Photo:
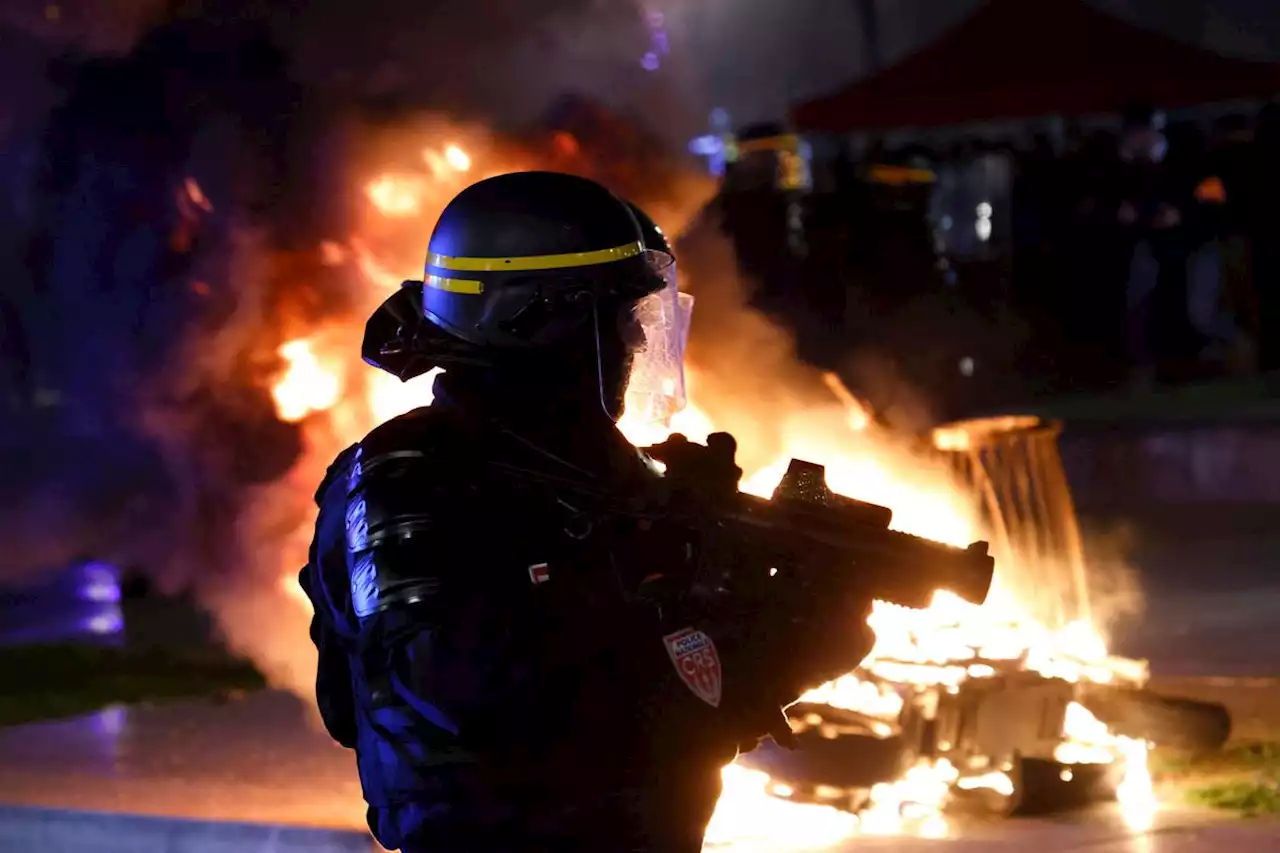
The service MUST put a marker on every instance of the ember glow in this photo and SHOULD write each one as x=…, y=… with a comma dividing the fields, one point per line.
x=337, y=400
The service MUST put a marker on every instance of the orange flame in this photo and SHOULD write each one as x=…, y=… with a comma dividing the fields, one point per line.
x=306, y=386
x=395, y=196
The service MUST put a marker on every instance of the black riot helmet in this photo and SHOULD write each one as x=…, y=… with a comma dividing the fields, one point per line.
x=654, y=237
x=524, y=270
x=517, y=261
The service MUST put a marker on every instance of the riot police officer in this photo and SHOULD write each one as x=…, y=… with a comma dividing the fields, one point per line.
x=515, y=669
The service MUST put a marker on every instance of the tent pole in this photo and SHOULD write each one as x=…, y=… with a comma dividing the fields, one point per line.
x=869, y=22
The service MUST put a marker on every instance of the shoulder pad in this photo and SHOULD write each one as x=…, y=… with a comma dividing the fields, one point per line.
x=337, y=468
x=424, y=434
x=421, y=432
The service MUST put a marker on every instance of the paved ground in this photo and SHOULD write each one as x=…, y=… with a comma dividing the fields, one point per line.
x=258, y=760
x=1051, y=837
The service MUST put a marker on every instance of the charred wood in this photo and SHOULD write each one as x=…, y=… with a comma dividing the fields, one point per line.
x=1185, y=724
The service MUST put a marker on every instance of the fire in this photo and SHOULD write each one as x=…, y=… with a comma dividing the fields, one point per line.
x=948, y=643
x=749, y=817
x=395, y=196
x=938, y=648
x=306, y=386
x=1089, y=742
x=915, y=801
x=452, y=157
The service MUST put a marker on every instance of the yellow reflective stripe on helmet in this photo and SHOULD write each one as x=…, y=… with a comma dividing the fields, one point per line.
x=454, y=285
x=537, y=262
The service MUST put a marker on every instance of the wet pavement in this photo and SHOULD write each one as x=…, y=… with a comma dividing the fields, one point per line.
x=260, y=759
x=1074, y=837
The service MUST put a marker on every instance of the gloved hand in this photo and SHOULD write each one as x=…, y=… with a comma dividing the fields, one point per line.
x=704, y=473
x=792, y=655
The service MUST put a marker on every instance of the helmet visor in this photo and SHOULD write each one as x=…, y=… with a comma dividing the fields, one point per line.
x=656, y=389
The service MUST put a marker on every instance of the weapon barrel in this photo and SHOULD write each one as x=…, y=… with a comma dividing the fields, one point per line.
x=836, y=513
x=897, y=567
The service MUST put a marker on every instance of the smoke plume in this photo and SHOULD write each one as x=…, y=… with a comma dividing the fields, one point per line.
x=156, y=326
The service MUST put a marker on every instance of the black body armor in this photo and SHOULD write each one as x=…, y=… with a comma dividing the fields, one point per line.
x=495, y=653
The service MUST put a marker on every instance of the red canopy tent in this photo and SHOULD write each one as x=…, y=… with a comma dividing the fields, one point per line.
x=1023, y=58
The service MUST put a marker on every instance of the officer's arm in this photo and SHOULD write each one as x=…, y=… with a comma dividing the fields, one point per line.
x=427, y=548
x=322, y=577
x=413, y=536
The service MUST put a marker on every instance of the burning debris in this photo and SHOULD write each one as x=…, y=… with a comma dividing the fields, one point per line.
x=961, y=705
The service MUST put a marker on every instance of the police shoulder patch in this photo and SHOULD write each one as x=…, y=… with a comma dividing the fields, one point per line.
x=696, y=661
